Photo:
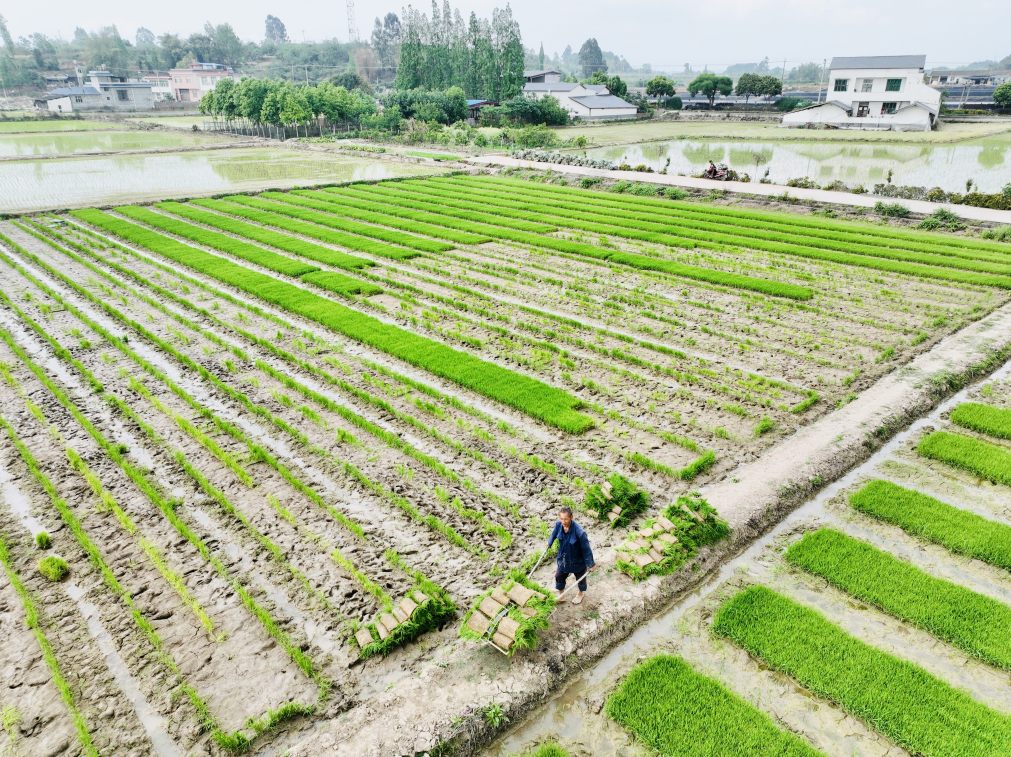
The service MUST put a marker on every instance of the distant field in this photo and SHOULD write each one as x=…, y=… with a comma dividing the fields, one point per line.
x=187, y=121
x=15, y=127
x=647, y=131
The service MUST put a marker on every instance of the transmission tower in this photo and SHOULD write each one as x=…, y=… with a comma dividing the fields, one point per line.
x=352, y=28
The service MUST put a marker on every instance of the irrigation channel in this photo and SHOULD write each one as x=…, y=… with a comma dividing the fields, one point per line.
x=575, y=716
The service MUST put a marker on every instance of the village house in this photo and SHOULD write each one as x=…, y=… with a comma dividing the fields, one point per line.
x=590, y=102
x=190, y=84
x=101, y=92
x=883, y=92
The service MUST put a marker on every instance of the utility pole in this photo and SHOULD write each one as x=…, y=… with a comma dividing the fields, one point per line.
x=352, y=26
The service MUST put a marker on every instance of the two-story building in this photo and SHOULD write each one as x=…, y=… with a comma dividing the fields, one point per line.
x=884, y=92
x=190, y=84
x=100, y=92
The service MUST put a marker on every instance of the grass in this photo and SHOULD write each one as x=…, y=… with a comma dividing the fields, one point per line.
x=53, y=568
x=959, y=531
x=919, y=712
x=986, y=419
x=547, y=749
x=33, y=620
x=539, y=400
x=43, y=540
x=678, y=712
x=976, y=624
x=983, y=459
x=441, y=156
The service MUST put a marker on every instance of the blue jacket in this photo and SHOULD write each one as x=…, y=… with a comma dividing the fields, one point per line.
x=574, y=553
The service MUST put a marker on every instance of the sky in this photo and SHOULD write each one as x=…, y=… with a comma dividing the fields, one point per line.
x=665, y=33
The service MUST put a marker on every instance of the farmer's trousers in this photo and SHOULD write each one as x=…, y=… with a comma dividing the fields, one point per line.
x=562, y=575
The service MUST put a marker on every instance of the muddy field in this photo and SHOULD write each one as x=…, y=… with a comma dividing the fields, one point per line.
x=238, y=490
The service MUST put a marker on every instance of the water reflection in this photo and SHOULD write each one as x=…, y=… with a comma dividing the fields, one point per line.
x=930, y=165
x=52, y=184
x=70, y=143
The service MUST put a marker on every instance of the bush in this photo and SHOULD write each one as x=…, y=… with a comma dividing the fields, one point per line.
x=942, y=218
x=891, y=209
x=533, y=136
x=785, y=104
x=42, y=540
x=54, y=568
x=998, y=233
x=672, y=103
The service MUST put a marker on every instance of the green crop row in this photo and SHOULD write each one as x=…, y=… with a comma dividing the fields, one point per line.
x=328, y=280
x=539, y=400
x=34, y=621
x=637, y=224
x=109, y=502
x=265, y=236
x=680, y=713
x=735, y=281
x=407, y=242
x=975, y=623
x=330, y=204
x=976, y=456
x=849, y=232
x=916, y=710
x=236, y=740
x=986, y=419
x=960, y=531
x=233, y=207
x=987, y=274
x=786, y=219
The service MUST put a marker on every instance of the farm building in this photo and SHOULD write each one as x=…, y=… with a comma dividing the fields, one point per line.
x=881, y=92
x=191, y=84
x=103, y=91
x=585, y=101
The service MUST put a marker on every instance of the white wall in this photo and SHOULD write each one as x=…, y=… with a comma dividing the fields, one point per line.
x=912, y=89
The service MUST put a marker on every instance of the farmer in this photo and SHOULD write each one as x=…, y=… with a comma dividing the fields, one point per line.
x=574, y=554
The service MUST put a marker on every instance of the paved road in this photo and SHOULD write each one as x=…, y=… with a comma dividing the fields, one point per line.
x=765, y=190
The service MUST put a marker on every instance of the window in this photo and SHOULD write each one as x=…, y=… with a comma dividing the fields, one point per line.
x=122, y=95
x=841, y=84
x=863, y=109
x=866, y=85
x=893, y=85
x=888, y=108
x=78, y=99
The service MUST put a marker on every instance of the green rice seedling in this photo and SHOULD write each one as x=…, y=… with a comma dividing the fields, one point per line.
x=269, y=210
x=678, y=712
x=266, y=236
x=919, y=712
x=986, y=419
x=960, y=531
x=618, y=492
x=983, y=459
x=696, y=525
x=34, y=621
x=53, y=568
x=529, y=625
x=547, y=403
x=43, y=540
x=339, y=283
x=547, y=749
x=440, y=156
x=976, y=624
x=243, y=250
x=764, y=426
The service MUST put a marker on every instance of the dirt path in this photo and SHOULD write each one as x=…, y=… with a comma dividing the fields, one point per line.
x=443, y=696
x=751, y=188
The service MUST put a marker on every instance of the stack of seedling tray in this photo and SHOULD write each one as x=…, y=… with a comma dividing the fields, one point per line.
x=509, y=616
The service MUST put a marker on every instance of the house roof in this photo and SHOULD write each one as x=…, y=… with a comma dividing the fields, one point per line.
x=879, y=61
x=529, y=74
x=600, y=89
x=67, y=91
x=122, y=84
x=472, y=103
x=540, y=86
x=602, y=101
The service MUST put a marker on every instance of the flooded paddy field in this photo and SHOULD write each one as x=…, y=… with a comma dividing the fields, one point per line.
x=39, y=144
x=41, y=184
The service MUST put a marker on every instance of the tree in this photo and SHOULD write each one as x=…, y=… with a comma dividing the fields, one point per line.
x=386, y=39
x=144, y=37
x=805, y=72
x=749, y=85
x=274, y=31
x=660, y=86
x=711, y=85
x=771, y=86
x=614, y=84
x=1002, y=95
x=591, y=59
x=540, y=58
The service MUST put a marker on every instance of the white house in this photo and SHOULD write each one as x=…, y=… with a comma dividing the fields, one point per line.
x=884, y=92
x=103, y=91
x=589, y=102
